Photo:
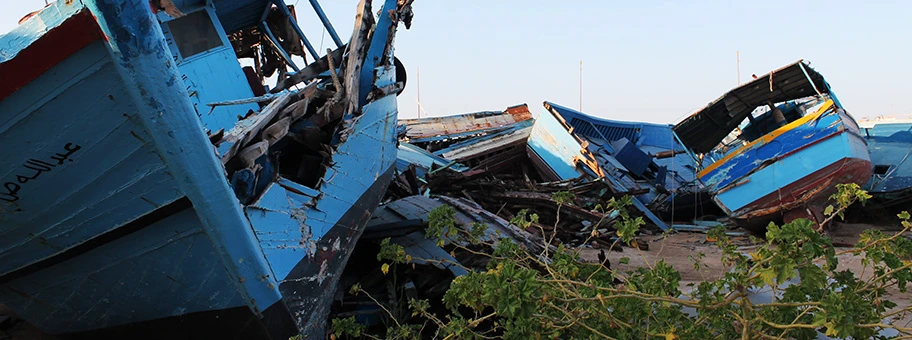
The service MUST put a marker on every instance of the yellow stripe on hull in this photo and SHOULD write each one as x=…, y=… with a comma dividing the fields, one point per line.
x=767, y=138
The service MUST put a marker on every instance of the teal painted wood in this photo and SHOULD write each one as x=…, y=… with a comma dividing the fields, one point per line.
x=423, y=160
x=648, y=137
x=18, y=39
x=137, y=224
x=237, y=14
x=167, y=269
x=504, y=131
x=138, y=47
x=352, y=186
x=794, y=169
x=211, y=76
x=791, y=169
x=752, y=157
x=280, y=221
x=114, y=176
x=557, y=149
x=640, y=133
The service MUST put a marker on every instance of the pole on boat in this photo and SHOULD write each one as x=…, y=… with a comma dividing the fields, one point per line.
x=738, y=62
x=142, y=58
x=806, y=75
x=581, y=86
x=419, y=92
x=326, y=23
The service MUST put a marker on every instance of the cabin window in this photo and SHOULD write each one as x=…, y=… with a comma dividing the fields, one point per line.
x=194, y=33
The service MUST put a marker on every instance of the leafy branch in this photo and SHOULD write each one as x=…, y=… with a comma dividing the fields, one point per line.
x=551, y=292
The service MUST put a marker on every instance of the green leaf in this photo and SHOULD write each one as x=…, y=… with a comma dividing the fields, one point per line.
x=819, y=319
x=347, y=327
x=768, y=275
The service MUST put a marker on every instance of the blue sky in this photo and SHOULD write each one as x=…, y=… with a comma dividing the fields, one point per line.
x=647, y=61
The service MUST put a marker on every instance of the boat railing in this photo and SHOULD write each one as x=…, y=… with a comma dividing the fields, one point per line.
x=297, y=28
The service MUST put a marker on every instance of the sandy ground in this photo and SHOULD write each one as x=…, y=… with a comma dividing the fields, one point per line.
x=679, y=249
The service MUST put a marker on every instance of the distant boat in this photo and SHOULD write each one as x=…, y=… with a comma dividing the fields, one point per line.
x=146, y=194
x=797, y=144
x=868, y=123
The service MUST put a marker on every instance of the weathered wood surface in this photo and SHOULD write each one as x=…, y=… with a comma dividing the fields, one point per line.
x=451, y=125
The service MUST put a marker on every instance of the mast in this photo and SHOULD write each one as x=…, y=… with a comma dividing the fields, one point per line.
x=581, y=86
x=419, y=91
x=738, y=63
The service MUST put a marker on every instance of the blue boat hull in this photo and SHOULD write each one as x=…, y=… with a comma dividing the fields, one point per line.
x=116, y=216
x=792, y=171
x=890, y=146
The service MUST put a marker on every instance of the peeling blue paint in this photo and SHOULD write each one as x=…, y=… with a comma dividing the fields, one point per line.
x=556, y=150
x=141, y=223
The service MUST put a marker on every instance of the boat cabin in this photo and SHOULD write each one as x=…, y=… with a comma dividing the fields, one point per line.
x=764, y=120
x=209, y=68
x=754, y=109
x=227, y=49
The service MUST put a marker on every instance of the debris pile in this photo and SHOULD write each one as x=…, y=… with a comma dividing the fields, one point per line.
x=291, y=138
x=490, y=167
x=496, y=167
x=485, y=158
x=505, y=162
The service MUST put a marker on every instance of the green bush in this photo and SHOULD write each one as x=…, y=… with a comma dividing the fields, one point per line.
x=553, y=294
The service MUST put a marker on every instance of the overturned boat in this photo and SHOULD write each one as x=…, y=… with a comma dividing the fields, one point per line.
x=560, y=154
x=795, y=144
x=651, y=155
x=147, y=193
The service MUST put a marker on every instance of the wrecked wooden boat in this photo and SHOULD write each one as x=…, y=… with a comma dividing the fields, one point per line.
x=482, y=158
x=651, y=155
x=795, y=145
x=433, y=131
x=489, y=140
x=560, y=154
x=144, y=196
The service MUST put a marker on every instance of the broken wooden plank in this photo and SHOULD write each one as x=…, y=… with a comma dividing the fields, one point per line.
x=242, y=134
x=310, y=72
x=364, y=23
